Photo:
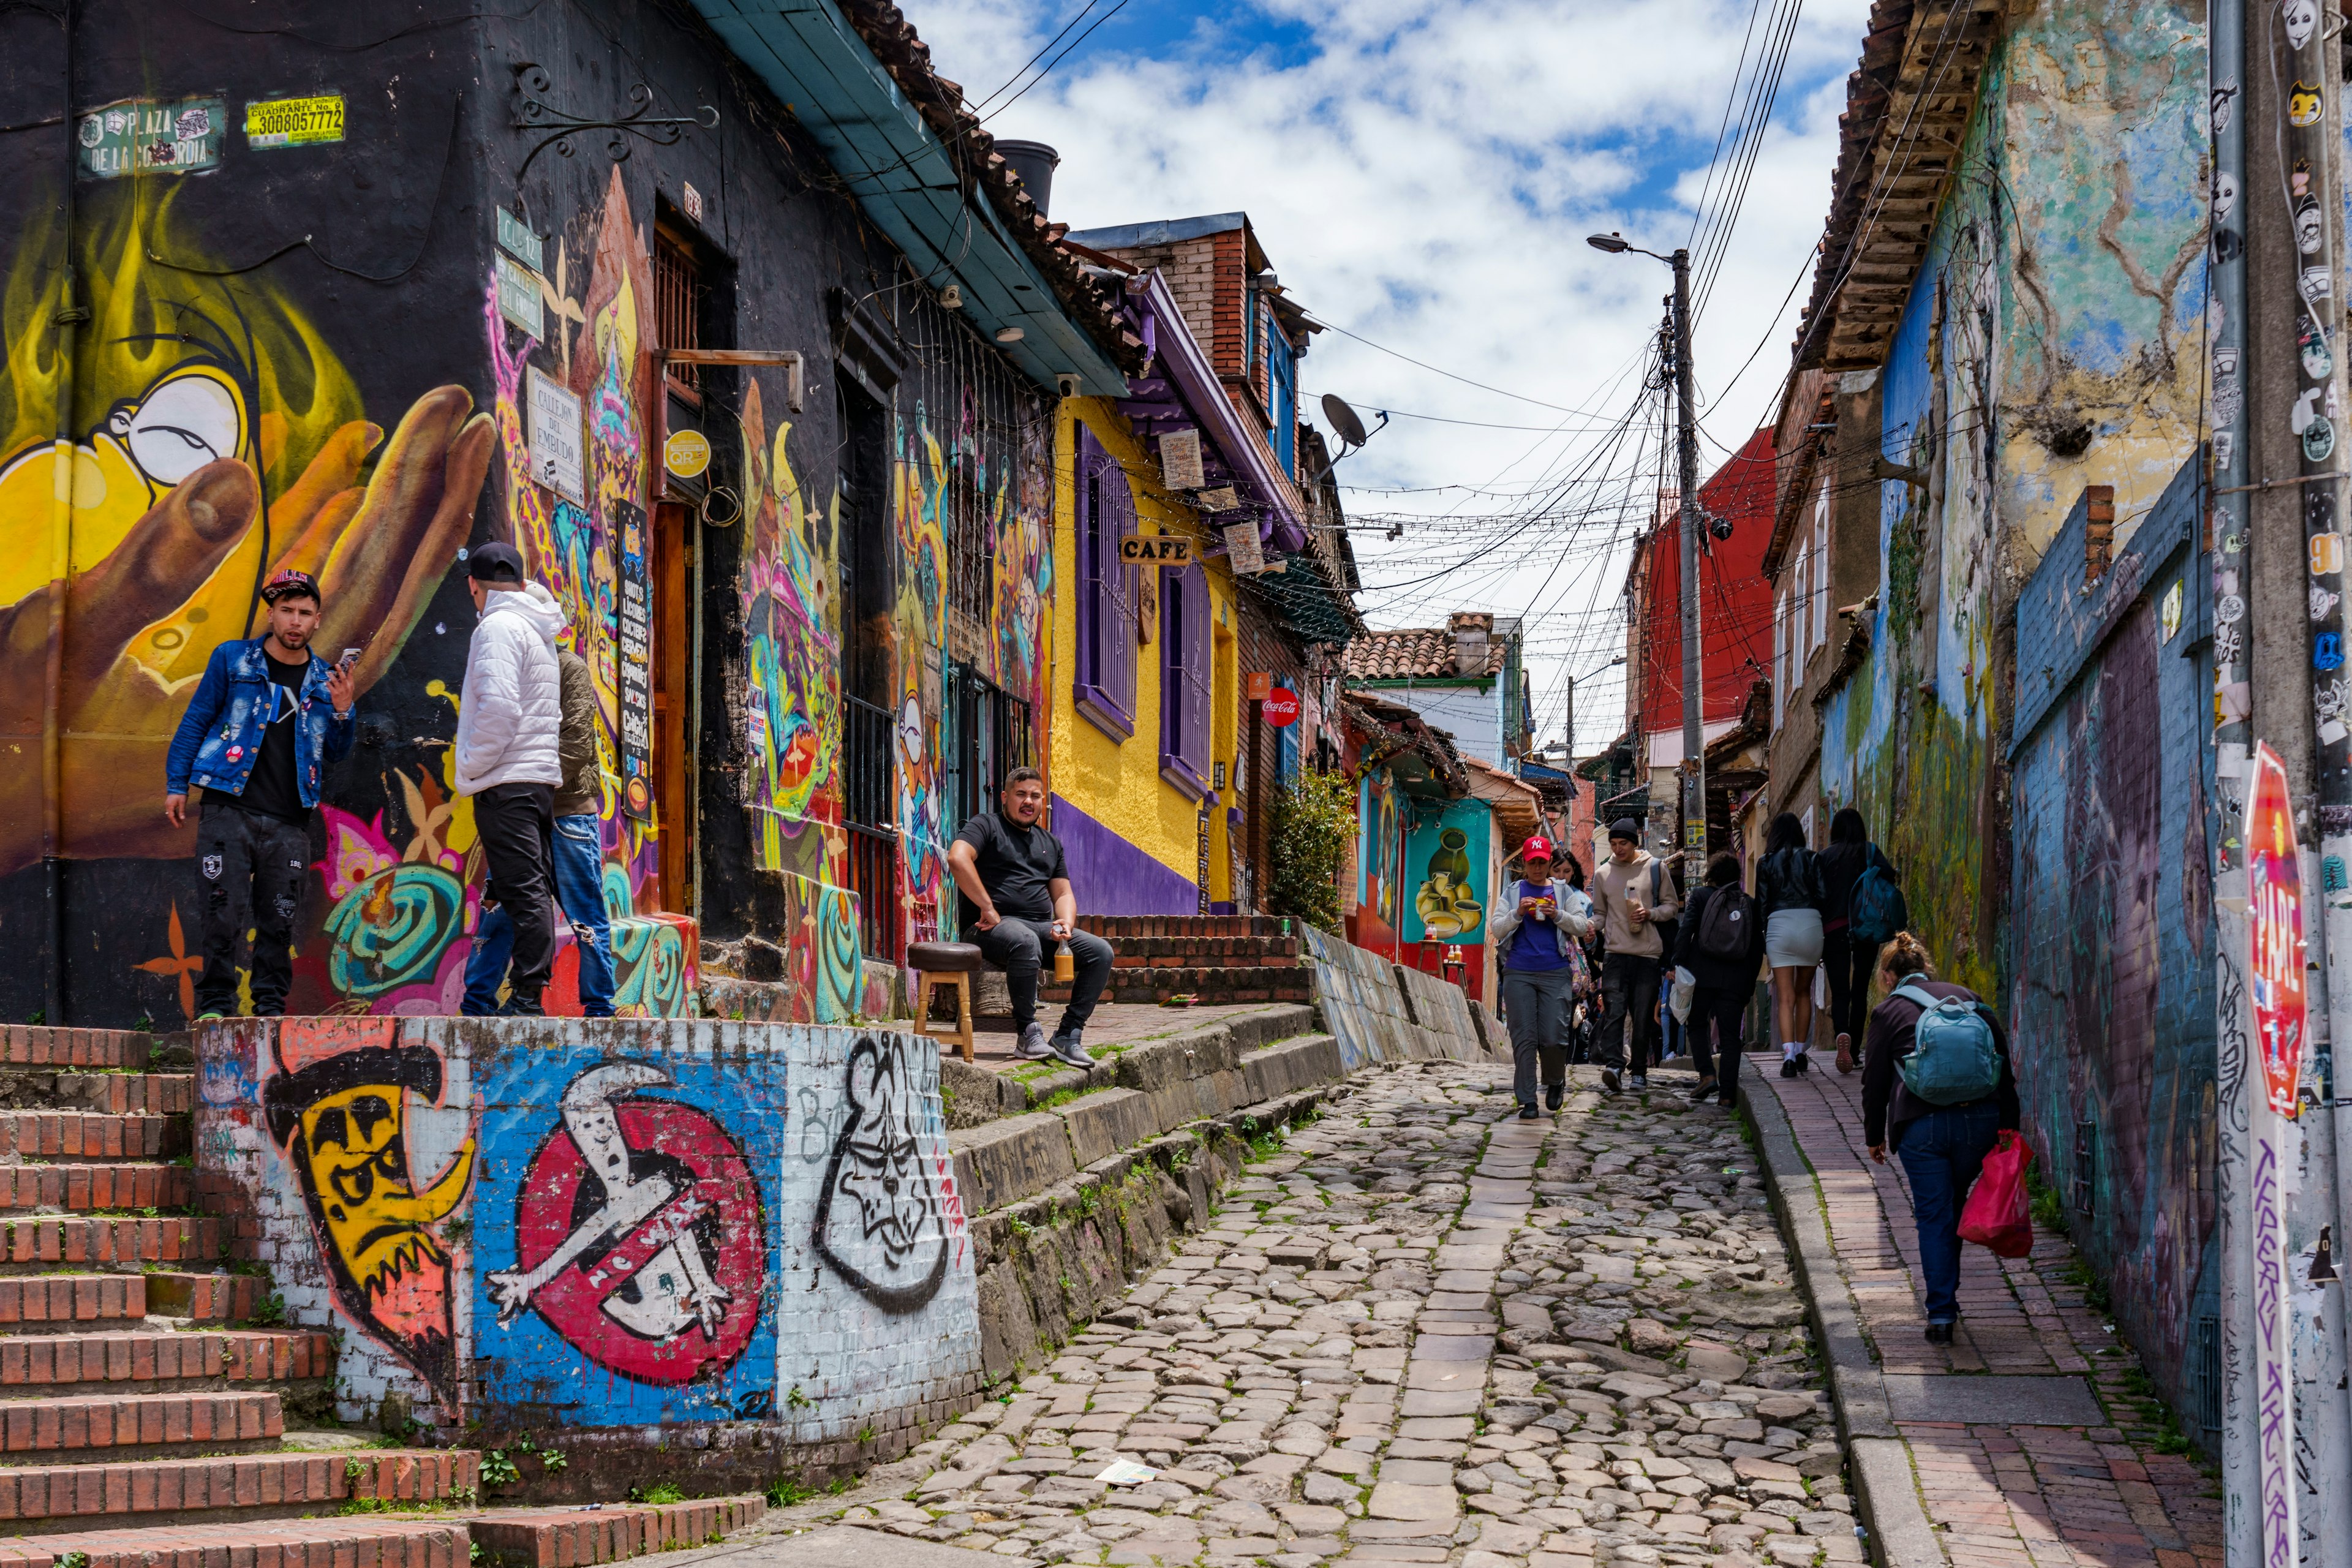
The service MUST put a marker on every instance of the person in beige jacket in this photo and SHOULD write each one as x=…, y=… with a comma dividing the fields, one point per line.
x=1630, y=892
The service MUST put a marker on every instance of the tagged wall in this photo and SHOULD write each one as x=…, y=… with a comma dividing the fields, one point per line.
x=606, y=1226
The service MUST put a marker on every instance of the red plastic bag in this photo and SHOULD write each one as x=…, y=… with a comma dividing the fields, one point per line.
x=1998, y=1213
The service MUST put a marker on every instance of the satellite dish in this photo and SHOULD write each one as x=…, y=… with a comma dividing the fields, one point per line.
x=1345, y=423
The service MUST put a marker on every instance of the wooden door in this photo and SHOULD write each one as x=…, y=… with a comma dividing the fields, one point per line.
x=672, y=569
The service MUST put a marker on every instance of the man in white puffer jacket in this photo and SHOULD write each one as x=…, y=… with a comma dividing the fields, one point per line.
x=508, y=726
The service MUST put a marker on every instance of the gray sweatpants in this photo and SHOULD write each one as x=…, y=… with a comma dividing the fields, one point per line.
x=1535, y=1004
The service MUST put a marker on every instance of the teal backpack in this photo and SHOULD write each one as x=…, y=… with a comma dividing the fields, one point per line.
x=1877, y=908
x=1953, y=1060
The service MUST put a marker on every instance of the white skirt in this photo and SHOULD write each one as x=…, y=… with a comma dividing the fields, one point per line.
x=1793, y=939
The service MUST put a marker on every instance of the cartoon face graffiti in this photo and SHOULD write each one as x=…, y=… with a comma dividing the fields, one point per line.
x=639, y=1234
x=2318, y=362
x=2301, y=18
x=2225, y=195
x=186, y=420
x=2303, y=104
x=879, y=1216
x=2310, y=228
x=341, y=1120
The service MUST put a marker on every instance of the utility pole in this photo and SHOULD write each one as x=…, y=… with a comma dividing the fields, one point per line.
x=1694, y=746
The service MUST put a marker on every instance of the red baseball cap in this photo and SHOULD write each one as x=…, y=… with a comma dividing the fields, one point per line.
x=1536, y=848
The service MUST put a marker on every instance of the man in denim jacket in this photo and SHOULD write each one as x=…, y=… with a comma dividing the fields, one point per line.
x=267, y=717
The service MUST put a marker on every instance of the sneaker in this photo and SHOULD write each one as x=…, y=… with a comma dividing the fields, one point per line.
x=1066, y=1047
x=1032, y=1046
x=1940, y=1333
x=1527, y=1110
x=1801, y=1066
x=1609, y=1079
x=1555, y=1096
x=1789, y=1068
x=1641, y=1082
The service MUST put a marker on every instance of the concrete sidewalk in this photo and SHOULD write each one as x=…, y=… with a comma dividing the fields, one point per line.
x=2018, y=1443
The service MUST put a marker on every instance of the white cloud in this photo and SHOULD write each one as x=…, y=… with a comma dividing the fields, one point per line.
x=1423, y=172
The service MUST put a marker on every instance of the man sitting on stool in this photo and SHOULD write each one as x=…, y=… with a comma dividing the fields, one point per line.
x=1018, y=906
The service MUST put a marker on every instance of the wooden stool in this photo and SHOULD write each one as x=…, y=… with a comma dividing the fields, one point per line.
x=945, y=964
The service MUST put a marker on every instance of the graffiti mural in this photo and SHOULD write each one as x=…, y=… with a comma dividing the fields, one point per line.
x=1446, y=851
x=337, y=1106
x=628, y=1221
x=878, y=1220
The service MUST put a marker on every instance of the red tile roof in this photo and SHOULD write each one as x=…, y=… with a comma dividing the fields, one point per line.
x=1425, y=652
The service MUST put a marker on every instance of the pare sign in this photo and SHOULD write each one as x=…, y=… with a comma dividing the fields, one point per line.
x=1156, y=549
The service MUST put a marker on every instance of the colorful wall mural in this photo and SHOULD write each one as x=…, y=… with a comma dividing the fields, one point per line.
x=697, y=1222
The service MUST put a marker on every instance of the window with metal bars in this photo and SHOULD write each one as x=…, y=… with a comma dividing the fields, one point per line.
x=1106, y=595
x=2086, y=1166
x=1184, y=673
x=971, y=531
x=678, y=310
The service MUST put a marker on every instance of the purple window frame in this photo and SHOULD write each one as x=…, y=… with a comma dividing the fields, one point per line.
x=1184, y=674
x=1105, y=675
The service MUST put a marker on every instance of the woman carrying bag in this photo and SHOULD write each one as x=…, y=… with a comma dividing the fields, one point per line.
x=1937, y=1085
x=1721, y=943
x=1789, y=888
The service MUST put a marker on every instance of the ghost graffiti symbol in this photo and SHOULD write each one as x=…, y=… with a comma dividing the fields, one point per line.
x=878, y=1219
x=640, y=1238
x=342, y=1122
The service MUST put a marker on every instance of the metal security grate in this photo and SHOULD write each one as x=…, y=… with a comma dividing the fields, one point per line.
x=678, y=310
x=2086, y=1166
x=2205, y=1373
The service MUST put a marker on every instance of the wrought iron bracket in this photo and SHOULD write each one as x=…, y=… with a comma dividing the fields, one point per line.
x=534, y=112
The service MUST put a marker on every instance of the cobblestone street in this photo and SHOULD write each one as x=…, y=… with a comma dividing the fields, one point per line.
x=1422, y=1331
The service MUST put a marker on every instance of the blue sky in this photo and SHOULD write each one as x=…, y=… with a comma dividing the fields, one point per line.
x=1421, y=172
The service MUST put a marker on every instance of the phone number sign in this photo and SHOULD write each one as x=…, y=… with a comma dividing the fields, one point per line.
x=294, y=121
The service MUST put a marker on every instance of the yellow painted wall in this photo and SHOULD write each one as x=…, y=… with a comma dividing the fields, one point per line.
x=1117, y=782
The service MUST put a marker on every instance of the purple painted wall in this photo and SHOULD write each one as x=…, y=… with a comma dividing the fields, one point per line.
x=1111, y=876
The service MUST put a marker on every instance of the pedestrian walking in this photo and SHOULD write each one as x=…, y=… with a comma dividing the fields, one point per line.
x=266, y=718
x=1630, y=892
x=1537, y=932
x=1789, y=888
x=1936, y=1086
x=1584, y=1000
x=1722, y=944
x=510, y=756
x=1851, y=955
x=576, y=860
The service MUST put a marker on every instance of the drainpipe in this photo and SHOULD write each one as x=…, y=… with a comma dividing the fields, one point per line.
x=68, y=319
x=2233, y=744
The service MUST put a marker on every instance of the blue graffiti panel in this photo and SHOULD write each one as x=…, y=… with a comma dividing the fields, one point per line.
x=627, y=1235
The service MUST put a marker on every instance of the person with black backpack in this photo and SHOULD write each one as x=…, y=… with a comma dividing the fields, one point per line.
x=1722, y=944
x=1937, y=1085
x=1863, y=909
x=1789, y=890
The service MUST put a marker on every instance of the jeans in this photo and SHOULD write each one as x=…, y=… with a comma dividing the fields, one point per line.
x=253, y=867
x=516, y=822
x=1629, y=986
x=1019, y=946
x=1717, y=1018
x=1851, y=963
x=1941, y=1153
x=580, y=890
x=1535, y=1006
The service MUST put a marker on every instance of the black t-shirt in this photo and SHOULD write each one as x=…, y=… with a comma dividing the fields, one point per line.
x=1015, y=865
x=271, y=789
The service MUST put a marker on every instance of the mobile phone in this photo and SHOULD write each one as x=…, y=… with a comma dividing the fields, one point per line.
x=350, y=658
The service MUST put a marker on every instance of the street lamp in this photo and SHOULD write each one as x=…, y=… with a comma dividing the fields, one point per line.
x=1694, y=769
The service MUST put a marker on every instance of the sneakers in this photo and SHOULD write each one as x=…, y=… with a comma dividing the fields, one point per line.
x=1066, y=1048
x=1641, y=1082
x=1032, y=1046
x=1609, y=1079
x=1555, y=1096
x=1792, y=1066
x=1801, y=1066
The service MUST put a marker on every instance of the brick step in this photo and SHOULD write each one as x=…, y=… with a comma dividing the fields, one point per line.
x=43, y=1303
x=31, y=1045
x=362, y=1543
x=564, y=1537
x=1241, y=952
x=127, y=1185
x=1113, y=928
x=82, y=1429
x=206, y=1297
x=38, y=1498
x=111, y=1093
x=33, y=1243
x=1263, y=983
x=30, y=1362
x=90, y=1136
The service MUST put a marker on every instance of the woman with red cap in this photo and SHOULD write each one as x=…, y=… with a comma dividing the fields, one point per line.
x=1537, y=932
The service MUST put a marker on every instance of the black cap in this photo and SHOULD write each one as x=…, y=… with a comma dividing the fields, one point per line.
x=495, y=563
x=291, y=581
x=1625, y=827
